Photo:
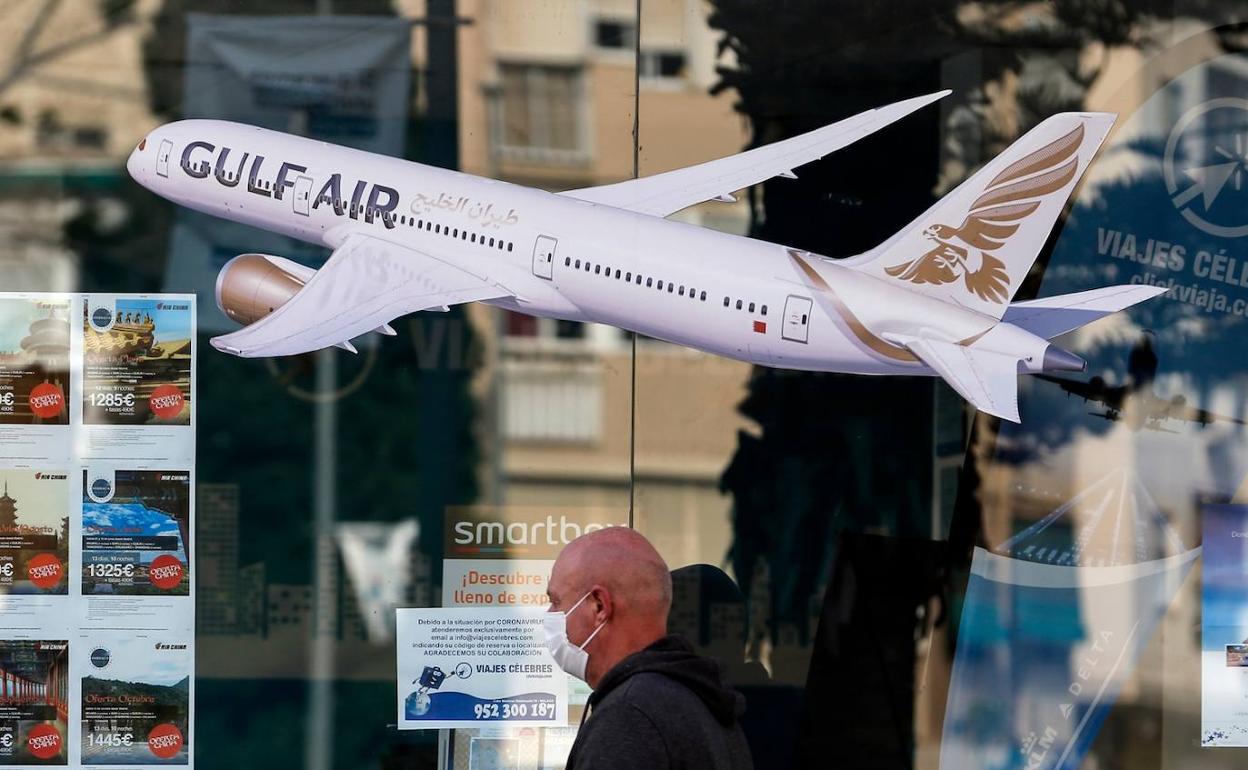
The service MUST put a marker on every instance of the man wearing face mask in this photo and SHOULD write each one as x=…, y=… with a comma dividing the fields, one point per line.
x=656, y=704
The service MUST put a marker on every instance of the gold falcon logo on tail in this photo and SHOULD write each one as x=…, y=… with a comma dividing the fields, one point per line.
x=966, y=251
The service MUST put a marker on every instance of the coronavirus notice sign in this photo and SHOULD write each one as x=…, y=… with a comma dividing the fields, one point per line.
x=473, y=667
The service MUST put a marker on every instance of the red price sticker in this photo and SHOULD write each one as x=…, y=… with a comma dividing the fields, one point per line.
x=46, y=400
x=45, y=570
x=166, y=402
x=165, y=741
x=165, y=572
x=44, y=742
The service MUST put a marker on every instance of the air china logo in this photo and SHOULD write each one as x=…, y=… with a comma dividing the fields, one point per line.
x=164, y=646
x=40, y=476
x=167, y=306
x=167, y=477
x=966, y=251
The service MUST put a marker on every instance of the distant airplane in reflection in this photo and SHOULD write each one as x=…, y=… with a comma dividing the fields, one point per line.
x=1136, y=403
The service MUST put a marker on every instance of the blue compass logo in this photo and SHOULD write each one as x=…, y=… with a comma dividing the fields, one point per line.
x=1206, y=167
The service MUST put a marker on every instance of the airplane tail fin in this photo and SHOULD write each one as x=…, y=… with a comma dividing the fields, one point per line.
x=1051, y=317
x=975, y=245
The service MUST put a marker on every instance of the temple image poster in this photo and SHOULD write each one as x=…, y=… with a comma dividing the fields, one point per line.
x=135, y=532
x=34, y=695
x=136, y=699
x=1224, y=627
x=34, y=360
x=34, y=531
x=137, y=361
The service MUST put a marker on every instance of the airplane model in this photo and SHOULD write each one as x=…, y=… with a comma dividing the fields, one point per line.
x=934, y=299
x=1136, y=403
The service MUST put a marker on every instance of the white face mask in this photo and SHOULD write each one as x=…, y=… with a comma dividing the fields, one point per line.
x=568, y=656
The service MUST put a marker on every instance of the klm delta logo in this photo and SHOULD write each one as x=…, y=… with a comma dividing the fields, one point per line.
x=497, y=533
x=100, y=657
x=101, y=318
x=50, y=476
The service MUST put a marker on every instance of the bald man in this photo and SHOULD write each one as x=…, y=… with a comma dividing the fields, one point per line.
x=656, y=704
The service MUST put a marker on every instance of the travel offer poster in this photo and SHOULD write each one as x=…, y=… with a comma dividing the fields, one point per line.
x=135, y=699
x=34, y=531
x=1224, y=627
x=136, y=532
x=34, y=359
x=462, y=668
x=138, y=355
x=34, y=696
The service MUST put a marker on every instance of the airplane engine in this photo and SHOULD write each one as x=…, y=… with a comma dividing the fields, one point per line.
x=251, y=286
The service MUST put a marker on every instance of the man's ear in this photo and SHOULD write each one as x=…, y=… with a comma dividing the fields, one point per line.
x=604, y=607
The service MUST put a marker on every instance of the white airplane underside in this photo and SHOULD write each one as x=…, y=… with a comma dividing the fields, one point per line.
x=935, y=299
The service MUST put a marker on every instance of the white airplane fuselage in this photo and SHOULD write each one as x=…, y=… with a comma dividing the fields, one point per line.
x=784, y=308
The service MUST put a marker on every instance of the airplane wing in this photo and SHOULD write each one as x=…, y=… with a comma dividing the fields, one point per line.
x=366, y=283
x=667, y=193
x=988, y=380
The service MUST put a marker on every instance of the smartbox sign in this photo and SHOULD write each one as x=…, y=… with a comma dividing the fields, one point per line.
x=502, y=555
x=524, y=532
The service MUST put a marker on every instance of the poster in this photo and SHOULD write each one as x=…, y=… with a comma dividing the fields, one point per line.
x=1224, y=627
x=33, y=701
x=97, y=511
x=135, y=526
x=475, y=667
x=34, y=531
x=35, y=388
x=135, y=699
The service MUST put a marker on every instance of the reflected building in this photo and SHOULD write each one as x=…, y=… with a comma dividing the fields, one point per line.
x=547, y=99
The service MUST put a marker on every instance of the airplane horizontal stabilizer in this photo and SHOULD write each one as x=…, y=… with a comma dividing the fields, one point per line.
x=1051, y=317
x=988, y=380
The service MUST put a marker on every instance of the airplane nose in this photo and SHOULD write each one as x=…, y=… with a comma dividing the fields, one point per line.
x=135, y=163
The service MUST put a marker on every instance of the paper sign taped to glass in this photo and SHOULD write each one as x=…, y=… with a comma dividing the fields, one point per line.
x=461, y=668
x=1053, y=624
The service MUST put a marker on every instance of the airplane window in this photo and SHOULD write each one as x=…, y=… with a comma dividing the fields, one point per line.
x=725, y=302
x=437, y=229
x=764, y=310
x=670, y=286
x=703, y=297
x=682, y=291
x=567, y=261
x=597, y=269
x=660, y=286
x=578, y=264
x=402, y=219
x=751, y=307
x=617, y=274
x=639, y=279
x=738, y=304
x=587, y=266
x=649, y=281
x=628, y=276
x=411, y=221
x=509, y=246
x=491, y=241
x=473, y=238
x=463, y=236
x=803, y=318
